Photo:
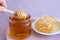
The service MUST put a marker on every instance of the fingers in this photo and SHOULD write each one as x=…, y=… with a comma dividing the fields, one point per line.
x=2, y=9
x=3, y=3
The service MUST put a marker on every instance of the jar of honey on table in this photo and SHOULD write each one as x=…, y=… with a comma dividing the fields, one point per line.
x=20, y=25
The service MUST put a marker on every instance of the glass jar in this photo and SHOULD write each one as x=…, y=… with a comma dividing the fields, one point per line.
x=19, y=28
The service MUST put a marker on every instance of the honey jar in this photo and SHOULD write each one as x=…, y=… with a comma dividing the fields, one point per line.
x=20, y=28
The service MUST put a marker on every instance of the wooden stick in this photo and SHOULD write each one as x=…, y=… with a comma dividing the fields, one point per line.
x=9, y=11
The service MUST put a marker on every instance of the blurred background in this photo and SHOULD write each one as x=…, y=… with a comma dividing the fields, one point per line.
x=35, y=8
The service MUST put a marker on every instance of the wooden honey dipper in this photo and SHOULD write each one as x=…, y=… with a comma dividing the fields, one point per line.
x=18, y=13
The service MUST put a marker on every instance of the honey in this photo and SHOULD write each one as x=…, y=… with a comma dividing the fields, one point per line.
x=19, y=28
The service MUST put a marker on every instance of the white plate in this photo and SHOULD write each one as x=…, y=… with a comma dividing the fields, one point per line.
x=33, y=27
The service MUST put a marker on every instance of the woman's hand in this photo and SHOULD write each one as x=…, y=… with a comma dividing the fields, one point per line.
x=3, y=5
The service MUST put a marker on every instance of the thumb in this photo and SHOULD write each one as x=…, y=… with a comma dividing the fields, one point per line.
x=2, y=9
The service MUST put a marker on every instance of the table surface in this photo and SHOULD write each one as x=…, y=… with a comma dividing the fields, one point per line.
x=35, y=8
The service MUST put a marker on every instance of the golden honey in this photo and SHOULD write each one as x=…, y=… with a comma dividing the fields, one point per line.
x=20, y=28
